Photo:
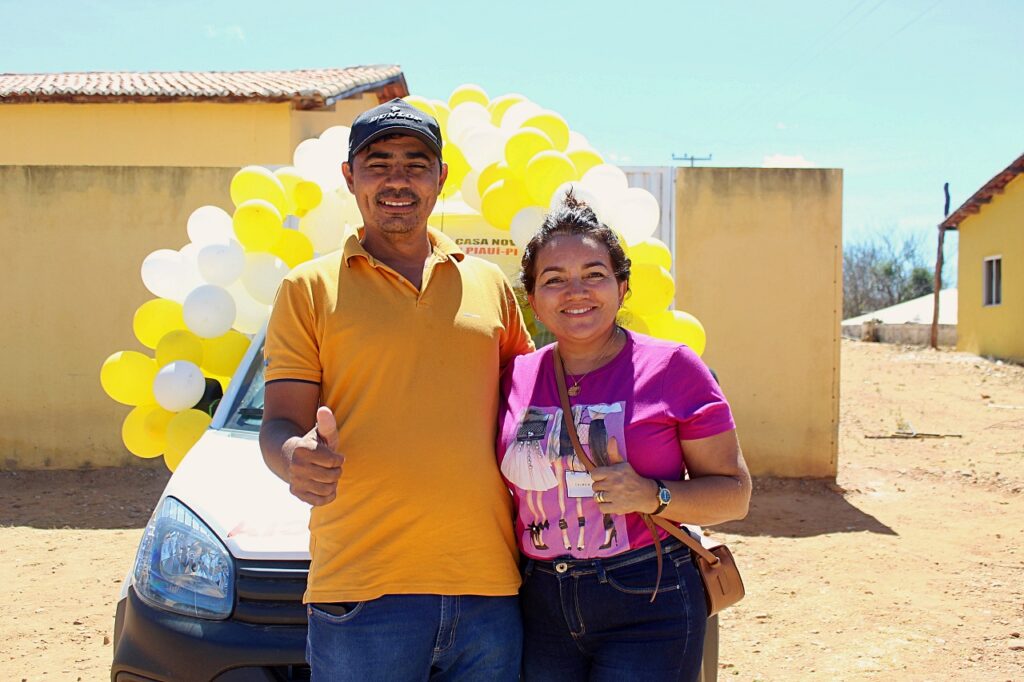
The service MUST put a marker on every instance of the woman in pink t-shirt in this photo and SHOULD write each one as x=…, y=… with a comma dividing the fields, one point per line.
x=653, y=420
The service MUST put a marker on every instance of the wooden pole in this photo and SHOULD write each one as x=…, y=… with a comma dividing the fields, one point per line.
x=938, y=276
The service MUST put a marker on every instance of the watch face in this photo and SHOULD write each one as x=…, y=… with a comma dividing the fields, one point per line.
x=664, y=495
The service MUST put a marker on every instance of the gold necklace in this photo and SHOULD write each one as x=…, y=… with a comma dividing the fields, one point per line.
x=575, y=389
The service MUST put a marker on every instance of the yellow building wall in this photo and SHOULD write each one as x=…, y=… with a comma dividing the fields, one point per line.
x=998, y=230
x=89, y=190
x=129, y=134
x=191, y=134
x=759, y=262
x=75, y=239
x=307, y=124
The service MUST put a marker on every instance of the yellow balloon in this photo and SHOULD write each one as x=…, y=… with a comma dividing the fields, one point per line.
x=293, y=248
x=289, y=178
x=127, y=377
x=502, y=201
x=144, y=431
x=458, y=169
x=308, y=196
x=491, y=174
x=499, y=105
x=421, y=103
x=523, y=146
x=222, y=354
x=257, y=182
x=675, y=325
x=652, y=251
x=553, y=125
x=183, y=431
x=441, y=112
x=652, y=289
x=258, y=225
x=468, y=93
x=633, y=322
x=584, y=160
x=155, y=318
x=180, y=344
x=545, y=173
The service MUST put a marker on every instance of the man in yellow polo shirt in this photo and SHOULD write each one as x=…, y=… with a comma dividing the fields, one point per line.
x=398, y=339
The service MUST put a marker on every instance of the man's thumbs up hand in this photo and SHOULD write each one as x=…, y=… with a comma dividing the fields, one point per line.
x=314, y=465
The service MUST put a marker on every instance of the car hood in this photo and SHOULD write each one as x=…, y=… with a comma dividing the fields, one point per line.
x=224, y=480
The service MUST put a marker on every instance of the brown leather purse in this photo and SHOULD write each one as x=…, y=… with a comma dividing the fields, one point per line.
x=723, y=585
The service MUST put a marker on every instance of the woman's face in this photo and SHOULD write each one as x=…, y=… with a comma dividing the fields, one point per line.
x=576, y=295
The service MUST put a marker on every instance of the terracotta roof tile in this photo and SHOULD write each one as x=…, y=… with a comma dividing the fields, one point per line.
x=984, y=195
x=307, y=88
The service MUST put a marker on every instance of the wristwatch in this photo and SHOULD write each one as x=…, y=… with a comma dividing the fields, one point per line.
x=664, y=497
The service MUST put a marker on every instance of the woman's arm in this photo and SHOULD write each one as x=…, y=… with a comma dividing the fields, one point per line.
x=718, y=489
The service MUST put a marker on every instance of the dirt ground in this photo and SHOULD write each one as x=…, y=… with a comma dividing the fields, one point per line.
x=910, y=567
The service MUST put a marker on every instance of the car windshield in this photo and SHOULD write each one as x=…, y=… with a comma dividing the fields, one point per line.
x=247, y=411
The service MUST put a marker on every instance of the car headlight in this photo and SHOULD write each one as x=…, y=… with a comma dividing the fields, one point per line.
x=182, y=566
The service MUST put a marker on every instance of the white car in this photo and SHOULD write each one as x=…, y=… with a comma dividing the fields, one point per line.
x=215, y=591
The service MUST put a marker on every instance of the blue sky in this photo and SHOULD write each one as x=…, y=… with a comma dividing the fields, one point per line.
x=903, y=95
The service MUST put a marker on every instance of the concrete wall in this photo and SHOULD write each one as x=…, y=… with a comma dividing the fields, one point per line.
x=998, y=230
x=910, y=334
x=75, y=238
x=759, y=262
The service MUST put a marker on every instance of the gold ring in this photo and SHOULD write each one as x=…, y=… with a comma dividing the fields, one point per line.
x=599, y=496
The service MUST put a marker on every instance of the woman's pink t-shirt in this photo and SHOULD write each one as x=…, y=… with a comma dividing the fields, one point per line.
x=637, y=407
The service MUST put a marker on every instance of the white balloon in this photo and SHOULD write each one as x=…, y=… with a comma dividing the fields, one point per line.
x=209, y=311
x=335, y=140
x=316, y=162
x=161, y=274
x=221, y=263
x=605, y=180
x=190, y=277
x=635, y=214
x=262, y=276
x=325, y=224
x=470, y=191
x=525, y=224
x=251, y=315
x=483, y=146
x=465, y=117
x=209, y=224
x=583, y=194
x=517, y=114
x=178, y=385
x=577, y=142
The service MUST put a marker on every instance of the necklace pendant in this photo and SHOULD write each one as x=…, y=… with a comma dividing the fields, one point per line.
x=573, y=390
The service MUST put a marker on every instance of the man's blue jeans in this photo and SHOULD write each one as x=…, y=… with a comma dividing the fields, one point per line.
x=417, y=637
x=594, y=620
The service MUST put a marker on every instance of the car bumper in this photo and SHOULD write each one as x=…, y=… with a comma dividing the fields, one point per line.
x=153, y=644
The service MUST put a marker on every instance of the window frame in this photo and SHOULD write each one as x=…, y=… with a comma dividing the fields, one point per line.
x=992, y=281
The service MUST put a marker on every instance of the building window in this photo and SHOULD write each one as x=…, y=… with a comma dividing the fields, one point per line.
x=993, y=293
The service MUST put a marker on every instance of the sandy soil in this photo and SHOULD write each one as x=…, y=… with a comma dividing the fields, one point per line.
x=910, y=566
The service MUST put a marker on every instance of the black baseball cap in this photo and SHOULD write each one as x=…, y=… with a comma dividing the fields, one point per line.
x=396, y=117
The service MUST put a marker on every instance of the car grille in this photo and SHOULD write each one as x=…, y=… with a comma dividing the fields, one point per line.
x=270, y=592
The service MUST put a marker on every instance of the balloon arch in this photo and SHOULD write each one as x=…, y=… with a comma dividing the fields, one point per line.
x=509, y=161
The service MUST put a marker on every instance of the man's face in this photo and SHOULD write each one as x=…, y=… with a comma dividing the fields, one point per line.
x=396, y=181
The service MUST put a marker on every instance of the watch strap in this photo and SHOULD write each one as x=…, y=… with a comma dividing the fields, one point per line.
x=661, y=502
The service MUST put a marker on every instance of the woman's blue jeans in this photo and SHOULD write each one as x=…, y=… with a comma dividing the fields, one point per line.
x=417, y=637
x=594, y=620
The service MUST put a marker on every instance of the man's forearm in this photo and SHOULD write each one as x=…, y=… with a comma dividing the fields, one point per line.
x=274, y=437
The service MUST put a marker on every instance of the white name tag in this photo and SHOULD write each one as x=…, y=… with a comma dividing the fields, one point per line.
x=579, y=484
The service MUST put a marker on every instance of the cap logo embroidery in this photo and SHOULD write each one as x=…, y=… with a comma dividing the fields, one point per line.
x=396, y=113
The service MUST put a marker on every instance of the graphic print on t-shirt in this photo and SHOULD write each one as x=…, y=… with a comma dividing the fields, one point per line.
x=557, y=513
